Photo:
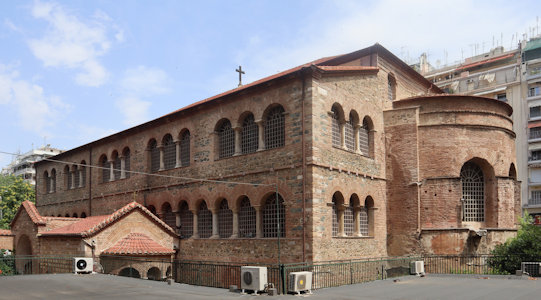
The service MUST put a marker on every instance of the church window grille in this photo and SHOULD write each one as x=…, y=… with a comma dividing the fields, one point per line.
x=227, y=140
x=68, y=175
x=275, y=128
x=336, y=136
x=204, y=219
x=334, y=216
x=116, y=167
x=473, y=192
x=169, y=152
x=53, y=181
x=247, y=219
x=169, y=217
x=350, y=138
x=83, y=215
x=76, y=178
x=363, y=221
x=106, y=169
x=83, y=174
x=185, y=149
x=186, y=221
x=349, y=225
x=225, y=220
x=271, y=215
x=127, y=157
x=154, y=156
x=249, y=137
x=364, y=139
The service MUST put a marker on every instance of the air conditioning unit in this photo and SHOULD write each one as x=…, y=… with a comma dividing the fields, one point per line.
x=83, y=265
x=253, y=278
x=417, y=267
x=300, y=281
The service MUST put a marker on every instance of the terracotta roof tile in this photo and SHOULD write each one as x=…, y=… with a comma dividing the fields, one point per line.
x=137, y=244
x=92, y=225
x=32, y=212
x=5, y=232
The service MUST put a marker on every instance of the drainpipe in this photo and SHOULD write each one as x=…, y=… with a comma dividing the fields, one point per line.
x=419, y=183
x=303, y=169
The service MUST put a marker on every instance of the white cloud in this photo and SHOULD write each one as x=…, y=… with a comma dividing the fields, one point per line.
x=135, y=110
x=145, y=82
x=36, y=111
x=71, y=43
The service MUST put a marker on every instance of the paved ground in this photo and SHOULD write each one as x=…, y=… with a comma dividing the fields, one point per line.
x=99, y=286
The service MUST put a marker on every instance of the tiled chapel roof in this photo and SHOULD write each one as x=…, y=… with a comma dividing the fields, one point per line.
x=137, y=244
x=89, y=226
x=32, y=212
x=5, y=232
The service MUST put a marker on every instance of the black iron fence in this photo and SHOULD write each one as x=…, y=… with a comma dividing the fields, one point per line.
x=324, y=274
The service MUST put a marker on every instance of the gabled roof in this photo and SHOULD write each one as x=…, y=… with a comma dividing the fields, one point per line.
x=32, y=212
x=90, y=226
x=328, y=64
x=137, y=244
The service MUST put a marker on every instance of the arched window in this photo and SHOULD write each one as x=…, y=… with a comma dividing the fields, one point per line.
x=335, y=203
x=366, y=138
x=473, y=192
x=127, y=164
x=152, y=209
x=76, y=177
x=225, y=220
x=154, y=156
x=67, y=215
x=512, y=171
x=75, y=215
x=83, y=173
x=168, y=216
x=186, y=221
x=275, y=128
x=349, y=225
x=204, y=221
x=67, y=175
x=169, y=152
x=250, y=135
x=336, y=135
x=185, y=149
x=349, y=135
x=391, y=87
x=83, y=215
x=247, y=219
x=366, y=218
x=117, y=165
x=106, y=169
x=46, y=182
x=274, y=214
x=226, y=142
x=53, y=181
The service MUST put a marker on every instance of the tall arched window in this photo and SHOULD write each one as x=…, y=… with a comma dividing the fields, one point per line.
x=391, y=87
x=335, y=203
x=186, y=220
x=53, y=181
x=46, y=182
x=83, y=215
x=336, y=136
x=154, y=156
x=365, y=138
x=249, y=135
x=152, y=209
x=274, y=214
x=204, y=221
x=275, y=128
x=127, y=164
x=116, y=165
x=76, y=177
x=168, y=216
x=169, y=152
x=349, y=225
x=225, y=220
x=83, y=174
x=106, y=169
x=349, y=135
x=226, y=137
x=185, y=149
x=247, y=219
x=68, y=175
x=473, y=192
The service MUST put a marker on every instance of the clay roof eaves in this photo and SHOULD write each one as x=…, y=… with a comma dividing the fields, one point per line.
x=32, y=212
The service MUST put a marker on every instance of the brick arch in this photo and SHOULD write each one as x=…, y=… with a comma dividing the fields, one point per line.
x=339, y=110
x=264, y=191
x=243, y=116
x=241, y=190
x=220, y=122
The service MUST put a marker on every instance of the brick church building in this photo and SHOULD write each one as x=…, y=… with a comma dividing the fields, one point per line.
x=344, y=157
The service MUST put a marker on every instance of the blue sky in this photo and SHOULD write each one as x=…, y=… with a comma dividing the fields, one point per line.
x=74, y=71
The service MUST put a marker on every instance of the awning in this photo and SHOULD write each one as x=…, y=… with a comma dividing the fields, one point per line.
x=486, y=61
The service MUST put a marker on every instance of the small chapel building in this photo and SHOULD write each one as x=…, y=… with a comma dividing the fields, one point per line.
x=345, y=157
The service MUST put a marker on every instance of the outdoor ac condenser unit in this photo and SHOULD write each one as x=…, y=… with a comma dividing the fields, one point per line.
x=417, y=267
x=300, y=281
x=83, y=265
x=253, y=278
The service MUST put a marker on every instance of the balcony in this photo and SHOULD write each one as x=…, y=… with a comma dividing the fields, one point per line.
x=533, y=73
x=483, y=82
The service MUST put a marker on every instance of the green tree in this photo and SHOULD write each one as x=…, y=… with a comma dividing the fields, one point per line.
x=13, y=191
x=526, y=246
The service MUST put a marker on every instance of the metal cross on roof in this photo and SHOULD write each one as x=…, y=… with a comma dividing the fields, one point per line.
x=240, y=74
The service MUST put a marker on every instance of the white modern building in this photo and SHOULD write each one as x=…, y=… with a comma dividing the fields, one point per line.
x=23, y=165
